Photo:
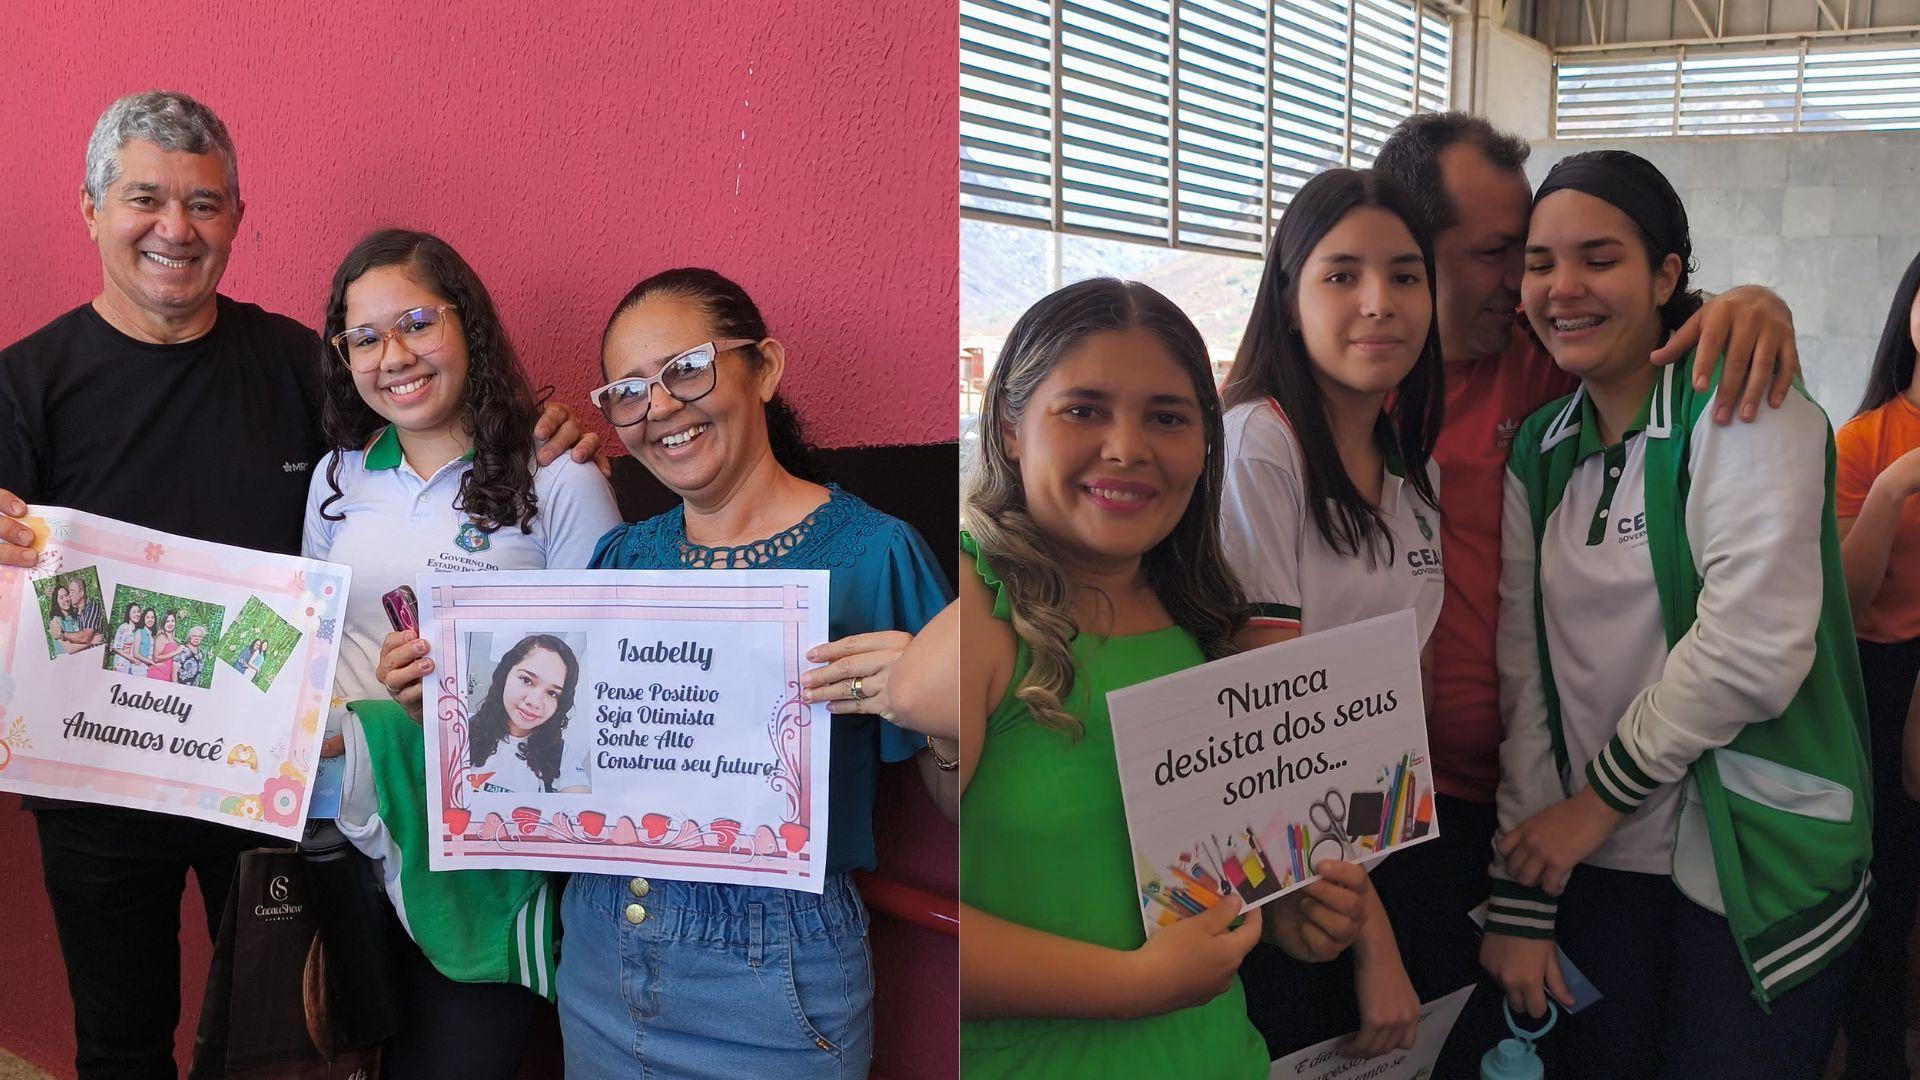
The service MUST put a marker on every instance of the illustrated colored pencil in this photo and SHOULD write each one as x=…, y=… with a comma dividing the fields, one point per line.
x=1156, y=896
x=1392, y=811
x=1392, y=814
x=1205, y=896
x=1413, y=793
x=1393, y=791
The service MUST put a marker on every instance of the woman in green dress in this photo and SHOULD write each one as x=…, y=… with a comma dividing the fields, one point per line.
x=1094, y=562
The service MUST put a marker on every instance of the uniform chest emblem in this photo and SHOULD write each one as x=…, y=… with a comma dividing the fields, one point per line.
x=472, y=538
x=1426, y=530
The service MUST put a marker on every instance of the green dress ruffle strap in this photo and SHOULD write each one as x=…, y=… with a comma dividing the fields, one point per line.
x=1002, y=606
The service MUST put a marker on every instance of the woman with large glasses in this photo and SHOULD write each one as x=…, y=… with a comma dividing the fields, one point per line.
x=431, y=422
x=679, y=978
x=685, y=378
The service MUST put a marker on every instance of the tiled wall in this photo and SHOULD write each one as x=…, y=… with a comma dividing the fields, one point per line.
x=1827, y=221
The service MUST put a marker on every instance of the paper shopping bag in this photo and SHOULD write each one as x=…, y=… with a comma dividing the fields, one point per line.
x=265, y=1015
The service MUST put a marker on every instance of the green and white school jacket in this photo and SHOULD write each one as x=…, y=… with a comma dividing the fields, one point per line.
x=1674, y=631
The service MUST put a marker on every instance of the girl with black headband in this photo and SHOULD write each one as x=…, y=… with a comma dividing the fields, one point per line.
x=1683, y=798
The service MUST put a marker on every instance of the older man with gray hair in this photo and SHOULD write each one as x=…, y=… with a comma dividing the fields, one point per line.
x=157, y=358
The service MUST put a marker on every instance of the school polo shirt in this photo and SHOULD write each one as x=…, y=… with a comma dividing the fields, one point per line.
x=1486, y=400
x=395, y=524
x=1603, y=623
x=1289, y=572
x=1864, y=447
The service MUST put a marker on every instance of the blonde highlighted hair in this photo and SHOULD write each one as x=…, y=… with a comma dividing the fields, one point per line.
x=1186, y=570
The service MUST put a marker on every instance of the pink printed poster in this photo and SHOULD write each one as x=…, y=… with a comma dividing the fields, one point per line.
x=155, y=672
x=628, y=722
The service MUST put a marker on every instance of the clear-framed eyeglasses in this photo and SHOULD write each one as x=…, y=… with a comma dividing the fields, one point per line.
x=420, y=331
x=686, y=378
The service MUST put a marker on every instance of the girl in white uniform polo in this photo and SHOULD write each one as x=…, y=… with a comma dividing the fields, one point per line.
x=433, y=420
x=1328, y=515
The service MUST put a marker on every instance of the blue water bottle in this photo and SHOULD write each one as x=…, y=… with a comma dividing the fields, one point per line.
x=1514, y=1059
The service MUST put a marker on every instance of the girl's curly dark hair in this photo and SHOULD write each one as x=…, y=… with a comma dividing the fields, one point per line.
x=541, y=750
x=498, y=408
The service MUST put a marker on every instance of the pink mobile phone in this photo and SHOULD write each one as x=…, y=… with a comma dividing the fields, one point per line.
x=401, y=609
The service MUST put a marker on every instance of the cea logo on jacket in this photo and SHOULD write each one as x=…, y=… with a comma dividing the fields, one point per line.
x=1631, y=530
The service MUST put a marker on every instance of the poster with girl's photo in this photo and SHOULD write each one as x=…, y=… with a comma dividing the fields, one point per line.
x=629, y=722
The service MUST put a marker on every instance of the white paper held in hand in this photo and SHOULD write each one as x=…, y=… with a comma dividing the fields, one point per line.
x=1240, y=775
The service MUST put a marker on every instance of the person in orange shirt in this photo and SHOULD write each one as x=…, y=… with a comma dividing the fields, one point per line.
x=1877, y=471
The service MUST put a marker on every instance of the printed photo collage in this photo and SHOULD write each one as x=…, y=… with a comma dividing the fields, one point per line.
x=170, y=639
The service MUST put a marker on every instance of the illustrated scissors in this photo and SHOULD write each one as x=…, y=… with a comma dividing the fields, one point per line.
x=1329, y=818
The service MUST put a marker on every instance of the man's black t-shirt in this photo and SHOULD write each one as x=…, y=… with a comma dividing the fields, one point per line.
x=213, y=438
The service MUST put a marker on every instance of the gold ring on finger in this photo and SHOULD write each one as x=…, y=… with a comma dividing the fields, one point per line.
x=857, y=690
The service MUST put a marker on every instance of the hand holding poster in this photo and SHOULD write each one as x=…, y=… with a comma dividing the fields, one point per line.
x=1242, y=774
x=628, y=721
x=156, y=672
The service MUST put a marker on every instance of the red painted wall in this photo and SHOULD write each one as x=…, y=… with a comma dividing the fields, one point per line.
x=805, y=147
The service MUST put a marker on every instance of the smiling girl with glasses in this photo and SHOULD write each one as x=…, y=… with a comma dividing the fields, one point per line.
x=431, y=420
